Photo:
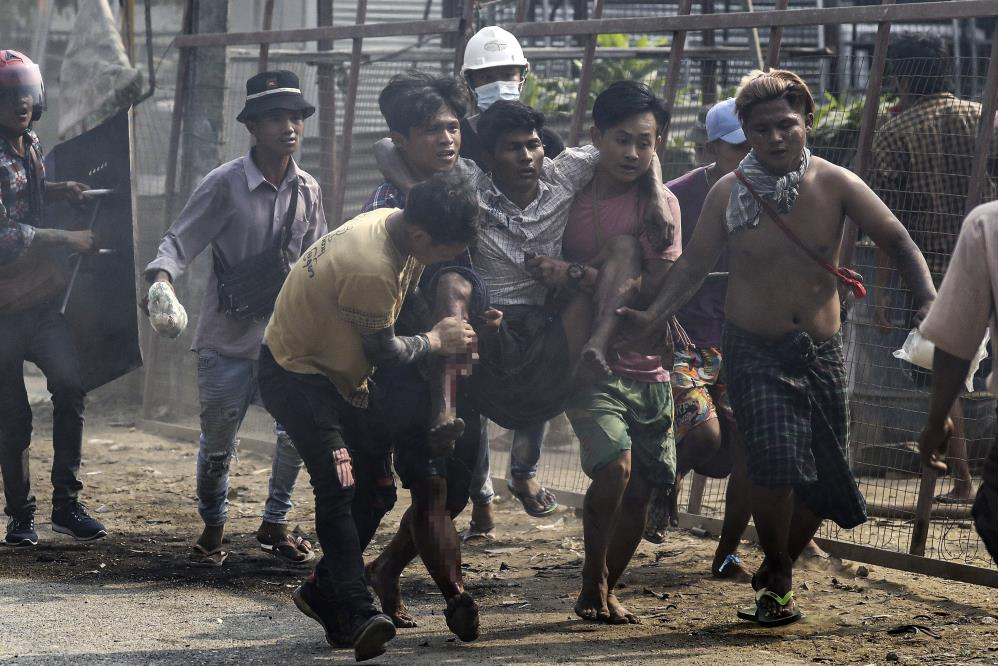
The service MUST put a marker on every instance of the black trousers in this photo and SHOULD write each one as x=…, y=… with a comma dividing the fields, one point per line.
x=320, y=421
x=39, y=335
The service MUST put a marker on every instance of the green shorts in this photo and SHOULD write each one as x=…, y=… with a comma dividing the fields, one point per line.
x=621, y=414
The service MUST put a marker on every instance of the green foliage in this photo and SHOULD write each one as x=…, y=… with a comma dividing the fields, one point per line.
x=558, y=94
x=836, y=126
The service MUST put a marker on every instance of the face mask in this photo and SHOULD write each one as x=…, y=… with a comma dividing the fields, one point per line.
x=491, y=93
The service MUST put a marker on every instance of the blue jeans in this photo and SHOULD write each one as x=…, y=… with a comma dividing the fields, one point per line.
x=524, y=457
x=227, y=387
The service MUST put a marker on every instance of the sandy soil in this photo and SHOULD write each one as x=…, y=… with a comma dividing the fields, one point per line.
x=131, y=598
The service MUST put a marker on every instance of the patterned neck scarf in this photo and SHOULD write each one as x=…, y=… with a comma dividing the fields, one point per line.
x=743, y=210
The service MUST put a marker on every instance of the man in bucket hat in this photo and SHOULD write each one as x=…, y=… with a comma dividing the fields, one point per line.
x=242, y=209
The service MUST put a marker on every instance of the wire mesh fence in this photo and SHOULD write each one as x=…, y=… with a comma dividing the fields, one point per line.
x=888, y=399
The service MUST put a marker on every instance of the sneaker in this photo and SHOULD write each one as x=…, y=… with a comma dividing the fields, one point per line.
x=310, y=602
x=73, y=519
x=21, y=531
x=366, y=631
x=370, y=635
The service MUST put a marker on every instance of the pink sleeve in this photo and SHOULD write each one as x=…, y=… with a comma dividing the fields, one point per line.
x=672, y=252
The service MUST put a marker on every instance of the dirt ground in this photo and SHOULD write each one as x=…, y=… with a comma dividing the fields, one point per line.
x=131, y=598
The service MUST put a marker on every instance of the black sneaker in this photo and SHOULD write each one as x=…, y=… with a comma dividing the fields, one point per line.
x=310, y=602
x=21, y=531
x=370, y=635
x=73, y=519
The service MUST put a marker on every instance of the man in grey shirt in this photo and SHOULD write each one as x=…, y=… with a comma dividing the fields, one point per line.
x=240, y=210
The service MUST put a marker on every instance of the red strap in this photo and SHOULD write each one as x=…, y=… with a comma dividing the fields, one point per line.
x=843, y=275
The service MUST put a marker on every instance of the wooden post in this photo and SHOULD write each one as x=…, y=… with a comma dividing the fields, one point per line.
x=463, y=33
x=268, y=22
x=326, y=81
x=923, y=512
x=151, y=355
x=985, y=131
x=754, y=39
x=775, y=39
x=698, y=484
x=585, y=80
x=867, y=127
x=708, y=68
x=349, y=112
x=675, y=65
x=521, y=11
x=177, y=115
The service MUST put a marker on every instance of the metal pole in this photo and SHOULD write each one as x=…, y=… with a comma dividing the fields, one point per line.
x=985, y=131
x=585, y=80
x=268, y=22
x=868, y=125
x=775, y=39
x=675, y=65
x=349, y=112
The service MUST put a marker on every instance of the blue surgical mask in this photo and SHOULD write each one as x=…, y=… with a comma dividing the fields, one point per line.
x=491, y=93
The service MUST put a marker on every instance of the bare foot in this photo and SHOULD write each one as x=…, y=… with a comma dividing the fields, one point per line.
x=462, y=617
x=443, y=435
x=619, y=614
x=591, y=604
x=592, y=364
x=211, y=537
x=389, y=592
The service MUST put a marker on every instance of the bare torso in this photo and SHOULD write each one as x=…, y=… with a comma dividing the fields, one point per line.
x=775, y=288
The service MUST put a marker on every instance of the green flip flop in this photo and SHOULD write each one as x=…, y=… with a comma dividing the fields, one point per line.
x=763, y=617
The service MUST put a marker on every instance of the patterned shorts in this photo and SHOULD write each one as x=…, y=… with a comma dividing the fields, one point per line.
x=698, y=388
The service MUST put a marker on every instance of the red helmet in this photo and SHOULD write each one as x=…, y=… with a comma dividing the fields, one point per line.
x=21, y=78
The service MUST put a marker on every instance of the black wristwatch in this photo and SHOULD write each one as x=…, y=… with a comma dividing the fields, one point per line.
x=575, y=272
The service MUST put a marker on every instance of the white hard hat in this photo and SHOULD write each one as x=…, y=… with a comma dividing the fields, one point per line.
x=492, y=47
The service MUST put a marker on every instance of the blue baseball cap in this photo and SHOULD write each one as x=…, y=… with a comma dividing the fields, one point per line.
x=723, y=123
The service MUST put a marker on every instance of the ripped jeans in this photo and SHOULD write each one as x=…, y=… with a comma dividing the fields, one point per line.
x=227, y=387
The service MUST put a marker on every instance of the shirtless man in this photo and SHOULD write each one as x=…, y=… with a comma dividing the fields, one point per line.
x=781, y=344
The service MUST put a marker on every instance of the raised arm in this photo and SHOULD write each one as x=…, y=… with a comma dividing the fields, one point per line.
x=659, y=220
x=684, y=279
x=877, y=221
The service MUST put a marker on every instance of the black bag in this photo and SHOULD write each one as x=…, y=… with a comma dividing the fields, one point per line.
x=249, y=289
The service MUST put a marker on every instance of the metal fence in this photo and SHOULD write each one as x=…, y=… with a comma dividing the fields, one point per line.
x=887, y=404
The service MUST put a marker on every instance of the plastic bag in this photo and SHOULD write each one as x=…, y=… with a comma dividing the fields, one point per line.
x=919, y=350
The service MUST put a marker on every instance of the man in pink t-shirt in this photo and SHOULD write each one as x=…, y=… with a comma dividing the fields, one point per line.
x=624, y=418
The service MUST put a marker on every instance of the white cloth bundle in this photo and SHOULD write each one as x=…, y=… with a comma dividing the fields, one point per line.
x=167, y=316
x=919, y=350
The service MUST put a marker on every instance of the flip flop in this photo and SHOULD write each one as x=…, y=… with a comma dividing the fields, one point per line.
x=542, y=497
x=201, y=557
x=475, y=533
x=293, y=549
x=946, y=499
x=763, y=617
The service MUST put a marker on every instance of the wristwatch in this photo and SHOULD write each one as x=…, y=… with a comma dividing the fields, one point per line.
x=575, y=272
